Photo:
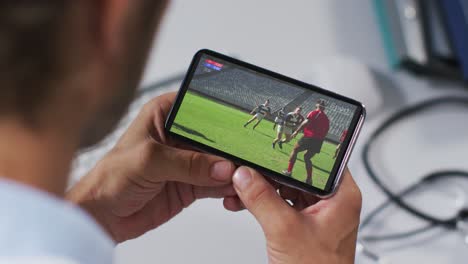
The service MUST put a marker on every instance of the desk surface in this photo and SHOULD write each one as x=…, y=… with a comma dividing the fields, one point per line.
x=288, y=38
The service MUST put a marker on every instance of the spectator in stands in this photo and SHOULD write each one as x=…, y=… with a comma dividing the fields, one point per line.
x=259, y=113
x=315, y=128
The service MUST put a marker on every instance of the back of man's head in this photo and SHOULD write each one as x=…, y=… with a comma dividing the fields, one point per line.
x=29, y=41
x=70, y=57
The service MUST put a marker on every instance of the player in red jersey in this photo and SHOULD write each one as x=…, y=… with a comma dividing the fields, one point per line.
x=342, y=139
x=315, y=129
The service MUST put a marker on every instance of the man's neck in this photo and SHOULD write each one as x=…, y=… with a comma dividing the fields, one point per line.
x=37, y=158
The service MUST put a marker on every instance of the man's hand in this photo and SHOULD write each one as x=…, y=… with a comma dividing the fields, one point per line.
x=308, y=231
x=146, y=179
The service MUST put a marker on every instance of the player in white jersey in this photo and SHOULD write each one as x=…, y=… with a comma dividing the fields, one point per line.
x=291, y=121
x=279, y=119
x=259, y=113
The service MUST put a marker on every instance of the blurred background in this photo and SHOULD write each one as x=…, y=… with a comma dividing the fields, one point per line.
x=389, y=54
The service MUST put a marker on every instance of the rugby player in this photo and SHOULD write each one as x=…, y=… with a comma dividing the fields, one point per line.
x=279, y=119
x=291, y=121
x=260, y=112
x=315, y=129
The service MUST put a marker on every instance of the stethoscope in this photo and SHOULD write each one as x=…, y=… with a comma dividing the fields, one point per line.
x=456, y=222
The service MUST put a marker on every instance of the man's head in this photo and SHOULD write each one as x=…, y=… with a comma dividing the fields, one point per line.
x=297, y=110
x=73, y=65
x=321, y=104
x=267, y=102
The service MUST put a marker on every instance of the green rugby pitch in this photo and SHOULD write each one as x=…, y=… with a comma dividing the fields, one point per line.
x=221, y=126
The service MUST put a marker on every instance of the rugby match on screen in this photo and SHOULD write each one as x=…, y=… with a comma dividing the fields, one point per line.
x=282, y=127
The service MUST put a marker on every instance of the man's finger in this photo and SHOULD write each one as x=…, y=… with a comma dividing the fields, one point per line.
x=261, y=199
x=201, y=192
x=171, y=164
x=233, y=203
x=150, y=121
x=341, y=209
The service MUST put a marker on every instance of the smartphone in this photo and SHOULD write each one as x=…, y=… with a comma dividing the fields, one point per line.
x=296, y=133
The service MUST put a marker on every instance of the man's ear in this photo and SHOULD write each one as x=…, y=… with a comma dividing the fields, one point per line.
x=94, y=49
x=121, y=25
x=110, y=24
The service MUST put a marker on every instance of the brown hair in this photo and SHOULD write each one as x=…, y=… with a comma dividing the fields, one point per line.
x=29, y=33
x=33, y=47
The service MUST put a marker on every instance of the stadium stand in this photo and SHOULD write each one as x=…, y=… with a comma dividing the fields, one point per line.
x=245, y=90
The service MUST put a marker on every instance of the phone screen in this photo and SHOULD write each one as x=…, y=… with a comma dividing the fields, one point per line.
x=295, y=131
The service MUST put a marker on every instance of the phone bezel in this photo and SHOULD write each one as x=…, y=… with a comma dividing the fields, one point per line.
x=343, y=156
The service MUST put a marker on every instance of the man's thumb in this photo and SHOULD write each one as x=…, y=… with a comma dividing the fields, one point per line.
x=261, y=199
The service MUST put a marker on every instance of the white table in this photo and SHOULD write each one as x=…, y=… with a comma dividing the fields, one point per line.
x=288, y=37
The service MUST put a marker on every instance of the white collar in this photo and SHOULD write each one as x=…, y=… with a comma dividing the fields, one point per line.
x=35, y=223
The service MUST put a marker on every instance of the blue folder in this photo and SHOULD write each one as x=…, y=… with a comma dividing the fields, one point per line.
x=456, y=17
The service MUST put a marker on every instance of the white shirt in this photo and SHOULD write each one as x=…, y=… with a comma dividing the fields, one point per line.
x=36, y=227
